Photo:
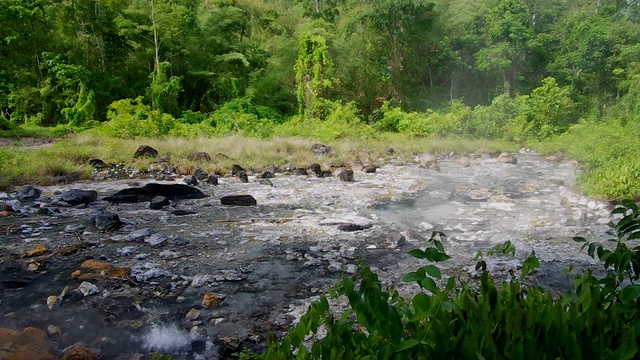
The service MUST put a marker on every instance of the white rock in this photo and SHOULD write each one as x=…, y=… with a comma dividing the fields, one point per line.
x=425, y=226
x=87, y=288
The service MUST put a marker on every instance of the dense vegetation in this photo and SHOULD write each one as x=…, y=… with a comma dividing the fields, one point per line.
x=559, y=75
x=597, y=318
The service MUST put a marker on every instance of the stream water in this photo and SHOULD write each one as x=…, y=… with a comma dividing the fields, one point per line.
x=269, y=261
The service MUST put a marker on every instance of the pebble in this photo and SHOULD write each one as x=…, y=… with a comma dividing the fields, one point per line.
x=87, y=288
x=193, y=314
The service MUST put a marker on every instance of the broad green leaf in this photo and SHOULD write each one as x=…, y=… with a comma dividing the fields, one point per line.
x=412, y=276
x=579, y=239
x=430, y=285
x=417, y=253
x=529, y=265
x=407, y=344
x=433, y=271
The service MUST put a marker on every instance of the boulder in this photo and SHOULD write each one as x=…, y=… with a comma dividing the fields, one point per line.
x=353, y=227
x=199, y=156
x=31, y=343
x=145, y=150
x=212, y=179
x=238, y=200
x=107, y=221
x=236, y=169
x=28, y=193
x=319, y=149
x=326, y=173
x=200, y=174
x=346, y=175
x=266, y=175
x=77, y=196
x=506, y=158
x=212, y=300
x=265, y=182
x=151, y=190
x=242, y=177
x=79, y=352
x=158, y=203
x=300, y=171
x=370, y=169
x=428, y=161
x=97, y=164
x=316, y=169
x=190, y=180
x=464, y=161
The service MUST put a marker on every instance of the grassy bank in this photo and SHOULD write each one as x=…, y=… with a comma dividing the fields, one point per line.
x=21, y=164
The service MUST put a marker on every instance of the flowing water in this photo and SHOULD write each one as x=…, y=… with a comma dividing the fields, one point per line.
x=269, y=261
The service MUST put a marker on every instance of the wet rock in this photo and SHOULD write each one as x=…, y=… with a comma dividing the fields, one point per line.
x=182, y=212
x=369, y=169
x=236, y=169
x=28, y=193
x=200, y=174
x=145, y=150
x=506, y=158
x=316, y=169
x=79, y=352
x=52, y=302
x=147, y=271
x=212, y=300
x=390, y=151
x=97, y=164
x=353, y=227
x=266, y=175
x=127, y=251
x=396, y=240
x=464, y=161
x=107, y=221
x=229, y=345
x=29, y=344
x=140, y=234
x=265, y=182
x=346, y=175
x=326, y=173
x=428, y=161
x=319, y=149
x=77, y=196
x=199, y=156
x=87, y=288
x=242, y=177
x=238, y=200
x=74, y=228
x=193, y=314
x=212, y=180
x=158, y=203
x=169, y=254
x=156, y=239
x=300, y=171
x=151, y=190
x=191, y=180
x=200, y=280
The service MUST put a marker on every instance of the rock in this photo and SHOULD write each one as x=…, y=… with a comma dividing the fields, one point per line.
x=151, y=190
x=74, y=228
x=6, y=207
x=212, y=300
x=238, y=200
x=29, y=344
x=199, y=156
x=27, y=194
x=107, y=221
x=353, y=227
x=156, y=239
x=140, y=234
x=500, y=199
x=97, y=164
x=236, y=169
x=346, y=175
x=145, y=150
x=266, y=175
x=52, y=301
x=464, y=161
x=425, y=226
x=200, y=174
x=181, y=212
x=77, y=196
x=265, y=182
x=191, y=180
x=212, y=179
x=193, y=314
x=390, y=151
x=300, y=171
x=395, y=240
x=158, y=203
x=87, y=288
x=229, y=346
x=428, y=161
x=242, y=177
x=506, y=158
x=316, y=169
x=319, y=149
x=326, y=173
x=79, y=352
x=369, y=169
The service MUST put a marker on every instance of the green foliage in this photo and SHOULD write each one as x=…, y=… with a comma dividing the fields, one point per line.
x=597, y=318
x=132, y=118
x=312, y=68
x=163, y=92
x=83, y=111
x=243, y=117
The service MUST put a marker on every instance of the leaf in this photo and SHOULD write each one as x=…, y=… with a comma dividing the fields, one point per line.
x=629, y=294
x=430, y=285
x=529, y=265
x=418, y=254
x=421, y=302
x=407, y=344
x=451, y=283
x=433, y=271
x=579, y=239
x=412, y=276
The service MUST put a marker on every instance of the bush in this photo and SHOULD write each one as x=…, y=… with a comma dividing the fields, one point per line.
x=597, y=318
x=131, y=118
x=242, y=117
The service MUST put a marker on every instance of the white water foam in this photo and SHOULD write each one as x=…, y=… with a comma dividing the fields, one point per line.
x=166, y=338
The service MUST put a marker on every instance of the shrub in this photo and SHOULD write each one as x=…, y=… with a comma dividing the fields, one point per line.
x=129, y=118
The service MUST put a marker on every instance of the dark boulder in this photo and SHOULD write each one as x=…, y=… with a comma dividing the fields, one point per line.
x=265, y=182
x=212, y=179
x=242, y=177
x=28, y=193
x=238, y=200
x=326, y=173
x=346, y=175
x=370, y=169
x=236, y=169
x=200, y=174
x=97, y=164
x=107, y=221
x=319, y=149
x=300, y=171
x=266, y=175
x=353, y=227
x=316, y=169
x=77, y=196
x=145, y=150
x=199, y=156
x=390, y=151
x=158, y=203
x=191, y=180
x=151, y=190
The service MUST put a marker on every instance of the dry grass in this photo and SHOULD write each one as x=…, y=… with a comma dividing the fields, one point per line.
x=71, y=154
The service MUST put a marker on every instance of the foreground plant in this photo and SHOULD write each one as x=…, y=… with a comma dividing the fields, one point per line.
x=597, y=318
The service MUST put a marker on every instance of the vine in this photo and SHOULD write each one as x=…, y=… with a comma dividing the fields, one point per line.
x=311, y=68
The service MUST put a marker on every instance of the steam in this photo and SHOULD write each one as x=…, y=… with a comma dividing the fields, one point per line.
x=166, y=338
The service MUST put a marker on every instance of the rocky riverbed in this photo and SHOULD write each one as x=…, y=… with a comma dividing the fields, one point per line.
x=191, y=277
